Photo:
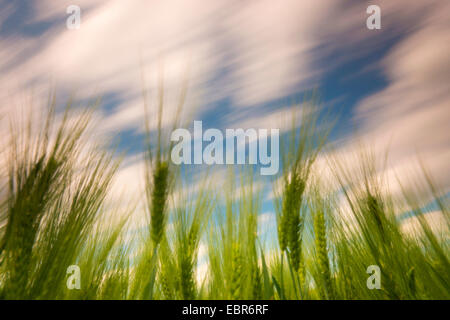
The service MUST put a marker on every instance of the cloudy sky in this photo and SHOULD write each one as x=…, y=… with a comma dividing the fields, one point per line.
x=246, y=62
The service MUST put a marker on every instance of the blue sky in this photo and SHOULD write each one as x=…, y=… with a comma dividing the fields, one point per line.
x=246, y=62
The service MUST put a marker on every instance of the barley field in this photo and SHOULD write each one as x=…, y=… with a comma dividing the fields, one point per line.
x=342, y=241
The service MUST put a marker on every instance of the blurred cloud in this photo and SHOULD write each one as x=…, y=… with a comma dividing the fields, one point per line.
x=411, y=114
x=435, y=221
x=248, y=54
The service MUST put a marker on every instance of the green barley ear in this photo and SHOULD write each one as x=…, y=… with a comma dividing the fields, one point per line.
x=290, y=220
x=166, y=271
x=300, y=149
x=236, y=278
x=256, y=282
x=283, y=225
x=376, y=211
x=320, y=240
x=282, y=233
x=25, y=214
x=165, y=286
x=290, y=223
x=187, y=280
x=190, y=217
x=52, y=201
x=295, y=222
x=302, y=274
x=158, y=201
